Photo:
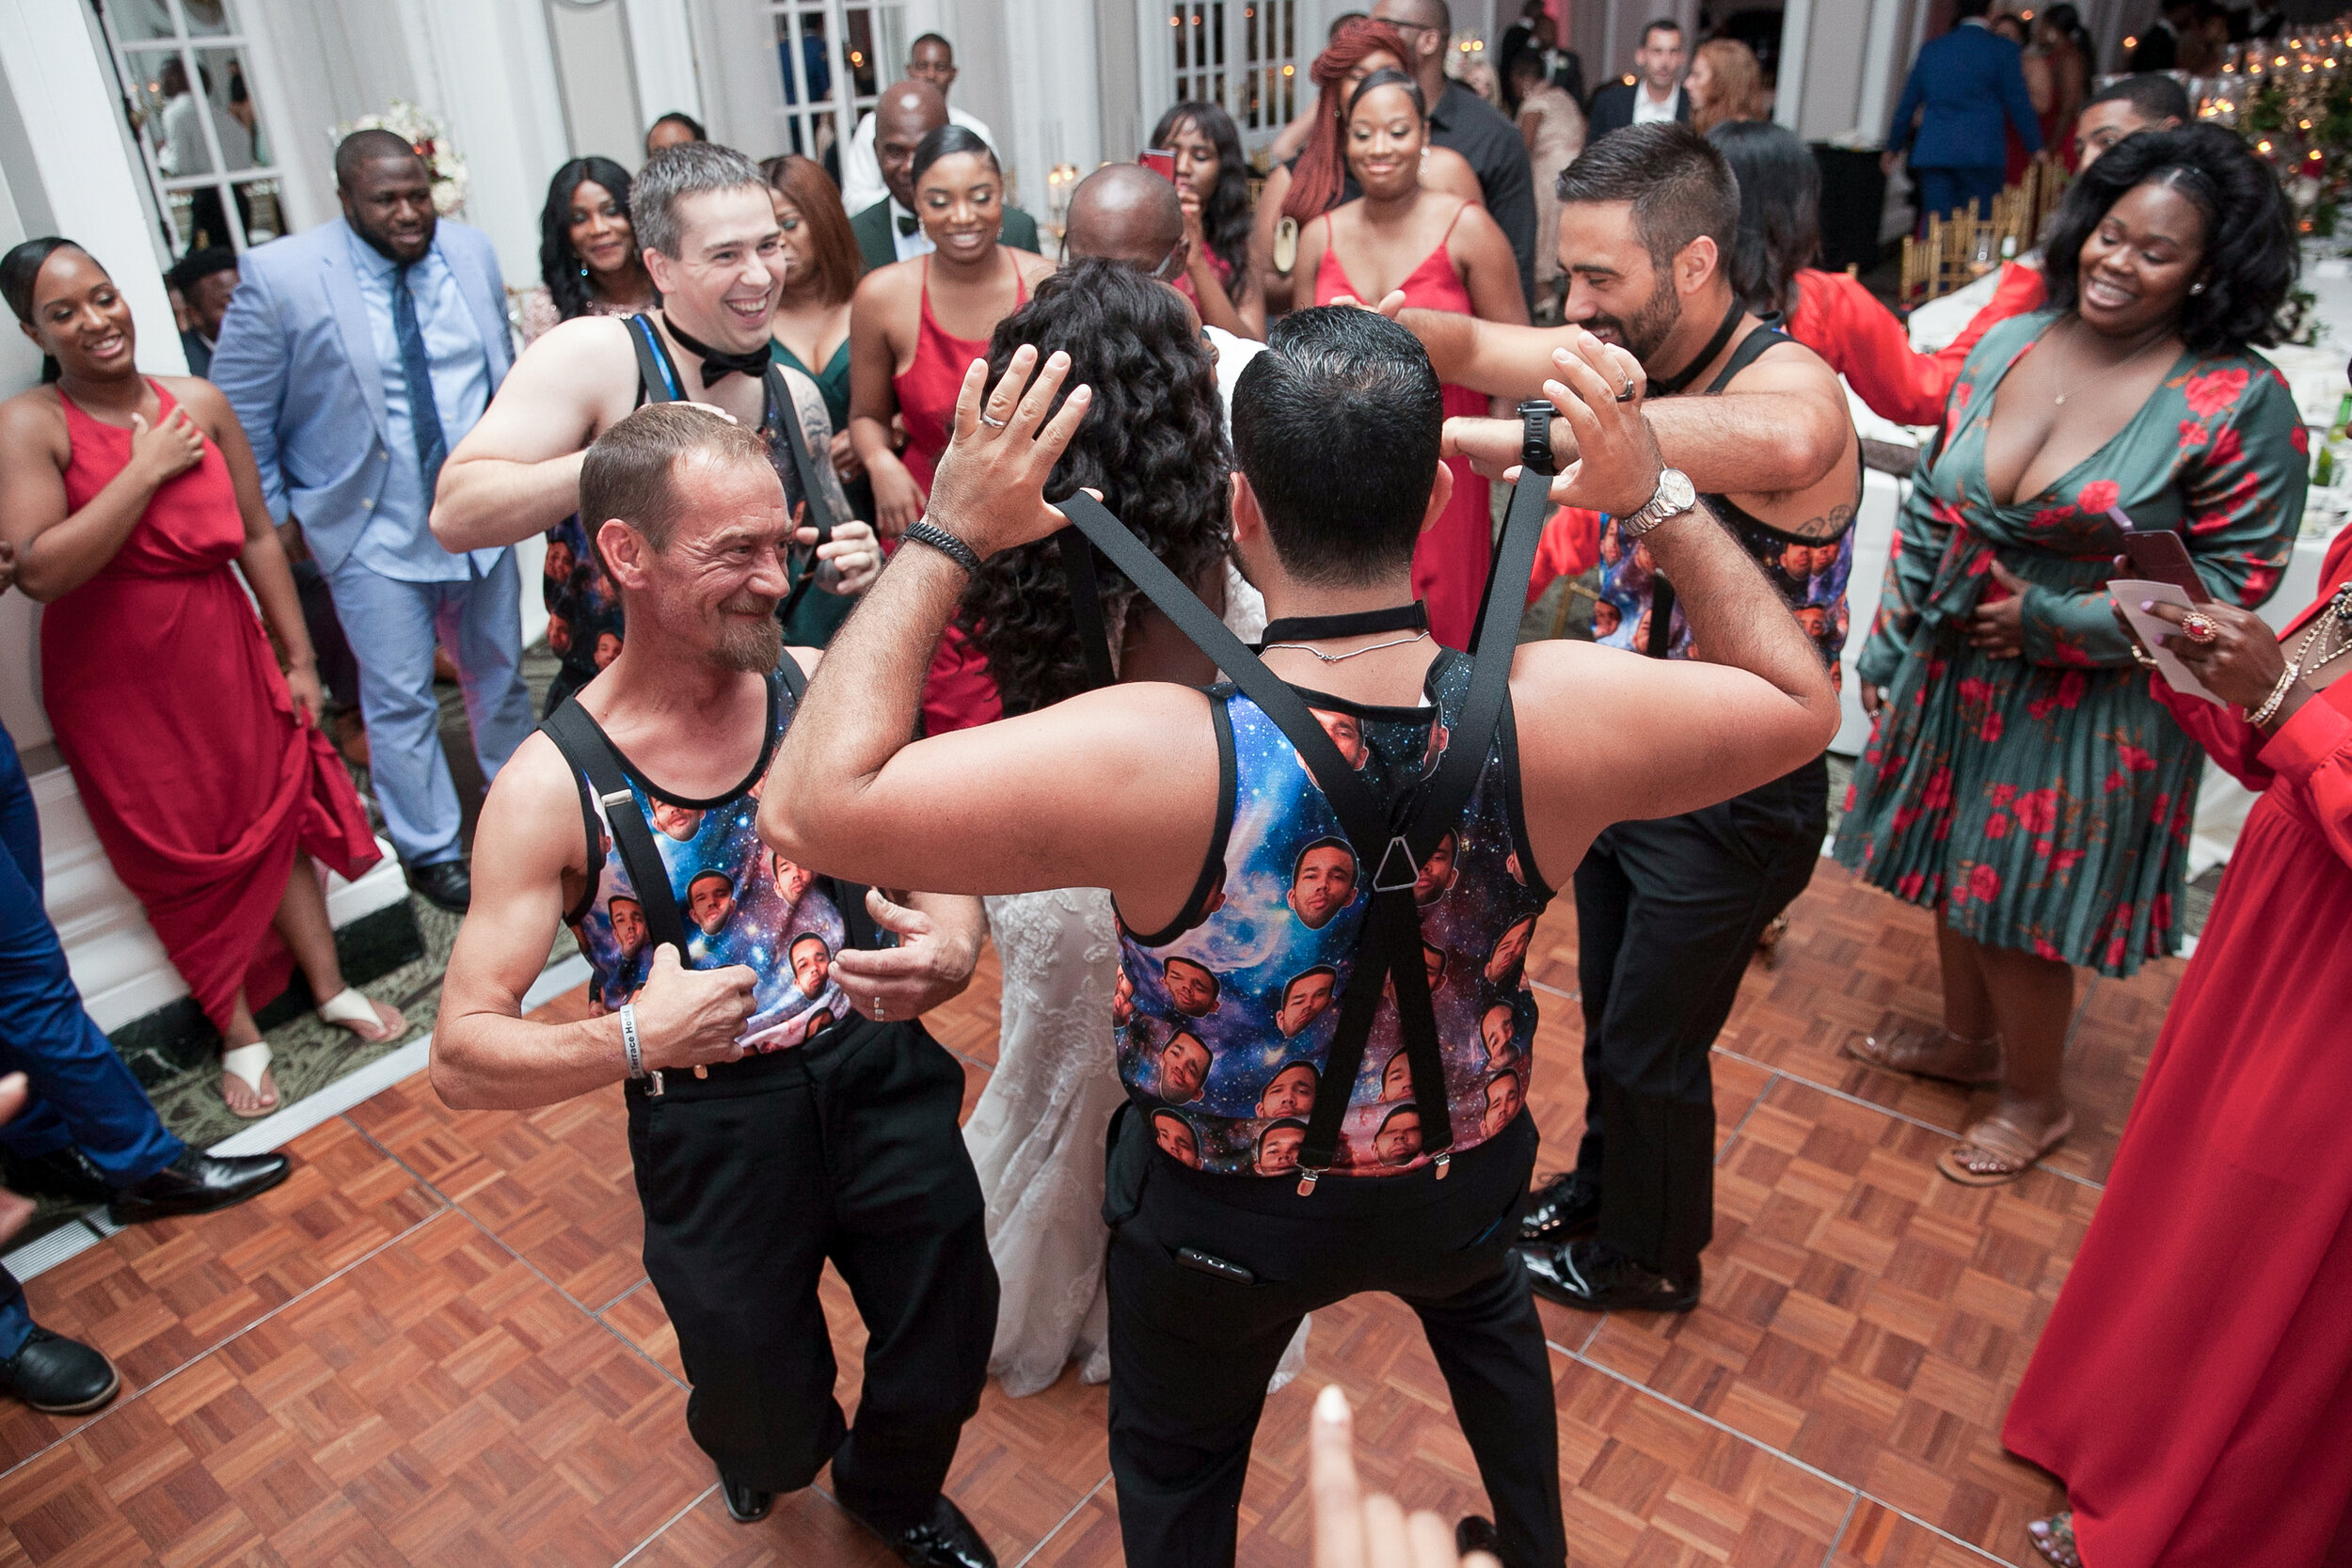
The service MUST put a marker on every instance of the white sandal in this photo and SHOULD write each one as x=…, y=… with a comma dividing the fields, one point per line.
x=353, y=1010
x=248, y=1065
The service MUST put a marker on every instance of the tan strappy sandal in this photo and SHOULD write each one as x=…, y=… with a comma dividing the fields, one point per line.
x=1900, y=1052
x=2009, y=1150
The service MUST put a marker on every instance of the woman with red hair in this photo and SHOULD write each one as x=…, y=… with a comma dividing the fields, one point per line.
x=1317, y=180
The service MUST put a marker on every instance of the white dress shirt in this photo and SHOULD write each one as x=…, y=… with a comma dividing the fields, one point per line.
x=1651, y=111
x=861, y=172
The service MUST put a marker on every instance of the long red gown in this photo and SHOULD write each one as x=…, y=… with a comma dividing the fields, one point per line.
x=1450, y=559
x=197, y=771
x=958, y=692
x=2194, y=1386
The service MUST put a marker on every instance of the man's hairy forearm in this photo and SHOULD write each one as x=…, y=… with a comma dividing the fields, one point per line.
x=487, y=502
x=1735, y=618
x=493, y=1061
x=861, y=705
x=1747, y=443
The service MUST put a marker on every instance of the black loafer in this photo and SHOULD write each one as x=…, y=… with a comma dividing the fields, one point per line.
x=62, y=1173
x=1594, y=1277
x=444, y=883
x=1566, y=1206
x=1477, y=1533
x=947, y=1540
x=746, y=1505
x=59, y=1377
x=197, y=1184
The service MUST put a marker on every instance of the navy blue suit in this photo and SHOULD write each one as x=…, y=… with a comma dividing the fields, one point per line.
x=1968, y=82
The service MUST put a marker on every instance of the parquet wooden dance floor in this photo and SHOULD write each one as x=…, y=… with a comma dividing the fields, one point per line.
x=435, y=1343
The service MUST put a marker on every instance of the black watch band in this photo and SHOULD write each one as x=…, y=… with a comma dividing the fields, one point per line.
x=945, y=543
x=1535, y=416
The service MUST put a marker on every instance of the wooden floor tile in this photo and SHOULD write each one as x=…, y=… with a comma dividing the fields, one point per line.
x=638, y=1317
x=968, y=1025
x=806, y=1530
x=438, y=1403
x=155, y=1296
x=556, y=1183
x=1879, y=1537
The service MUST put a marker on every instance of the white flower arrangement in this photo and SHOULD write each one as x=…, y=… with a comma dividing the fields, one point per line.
x=425, y=133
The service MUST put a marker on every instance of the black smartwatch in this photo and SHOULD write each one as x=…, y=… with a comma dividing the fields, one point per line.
x=1536, y=415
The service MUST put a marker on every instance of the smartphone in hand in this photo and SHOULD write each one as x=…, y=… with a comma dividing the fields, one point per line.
x=2159, y=556
x=1160, y=160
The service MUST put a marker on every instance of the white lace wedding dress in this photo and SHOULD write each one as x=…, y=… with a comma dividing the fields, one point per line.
x=1036, y=1136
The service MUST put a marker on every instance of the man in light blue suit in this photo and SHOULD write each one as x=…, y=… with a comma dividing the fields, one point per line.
x=356, y=355
x=1967, y=83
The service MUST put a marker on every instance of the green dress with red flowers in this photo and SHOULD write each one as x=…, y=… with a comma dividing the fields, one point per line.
x=2044, y=802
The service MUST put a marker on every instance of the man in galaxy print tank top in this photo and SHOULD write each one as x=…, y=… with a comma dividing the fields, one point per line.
x=1243, y=901
x=783, y=1106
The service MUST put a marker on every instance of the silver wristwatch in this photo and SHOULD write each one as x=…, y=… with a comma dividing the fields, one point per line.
x=1675, y=496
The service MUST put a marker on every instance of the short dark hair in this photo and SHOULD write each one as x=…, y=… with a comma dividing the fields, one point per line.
x=196, y=265
x=1278, y=1125
x=678, y=117
x=794, y=945
x=630, y=471
x=366, y=147
x=946, y=141
x=1780, y=211
x=1387, y=77
x=1310, y=971
x=1407, y=1107
x=1327, y=842
x=1659, y=24
x=1678, y=183
x=1336, y=426
x=2155, y=94
x=1217, y=987
x=711, y=873
x=2251, y=257
x=931, y=38
x=675, y=173
x=1967, y=9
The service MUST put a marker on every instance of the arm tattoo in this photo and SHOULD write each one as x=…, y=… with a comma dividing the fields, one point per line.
x=816, y=425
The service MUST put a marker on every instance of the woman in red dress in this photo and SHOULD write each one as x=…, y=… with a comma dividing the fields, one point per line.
x=914, y=328
x=202, y=766
x=2194, y=1386
x=1445, y=254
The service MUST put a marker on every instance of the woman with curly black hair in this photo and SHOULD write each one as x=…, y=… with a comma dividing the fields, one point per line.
x=588, y=256
x=1212, y=182
x=2020, y=779
x=1154, y=445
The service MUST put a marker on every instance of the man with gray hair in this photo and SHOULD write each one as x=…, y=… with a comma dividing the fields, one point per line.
x=710, y=239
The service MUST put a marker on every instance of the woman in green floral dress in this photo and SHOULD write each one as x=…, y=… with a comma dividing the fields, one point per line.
x=2019, y=778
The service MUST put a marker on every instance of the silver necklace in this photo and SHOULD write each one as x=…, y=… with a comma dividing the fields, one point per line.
x=1352, y=653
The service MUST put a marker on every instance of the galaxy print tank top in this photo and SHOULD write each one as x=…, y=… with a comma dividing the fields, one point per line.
x=1810, y=574
x=1225, y=1021
x=740, y=901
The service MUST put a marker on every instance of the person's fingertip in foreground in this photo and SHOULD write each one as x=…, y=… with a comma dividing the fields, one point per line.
x=1353, y=1531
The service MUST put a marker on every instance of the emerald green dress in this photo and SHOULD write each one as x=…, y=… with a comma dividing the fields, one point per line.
x=819, y=616
x=2043, y=802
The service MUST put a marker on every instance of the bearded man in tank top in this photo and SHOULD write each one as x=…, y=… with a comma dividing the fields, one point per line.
x=1196, y=809
x=1670, y=911
x=710, y=237
x=784, y=1107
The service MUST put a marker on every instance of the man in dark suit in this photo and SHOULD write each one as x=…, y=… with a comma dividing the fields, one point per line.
x=2159, y=47
x=1461, y=120
x=1655, y=94
x=1536, y=30
x=887, y=231
x=1961, y=87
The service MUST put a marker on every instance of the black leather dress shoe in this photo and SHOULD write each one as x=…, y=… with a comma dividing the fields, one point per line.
x=445, y=883
x=1565, y=1207
x=58, y=1376
x=65, y=1173
x=197, y=1184
x=1477, y=1533
x=746, y=1505
x=947, y=1540
x=1594, y=1277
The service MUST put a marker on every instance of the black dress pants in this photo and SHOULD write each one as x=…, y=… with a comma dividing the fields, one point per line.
x=1191, y=1351
x=1668, y=912
x=844, y=1148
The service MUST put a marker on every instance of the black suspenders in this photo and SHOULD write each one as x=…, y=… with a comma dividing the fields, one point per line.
x=1661, y=597
x=659, y=379
x=1408, y=828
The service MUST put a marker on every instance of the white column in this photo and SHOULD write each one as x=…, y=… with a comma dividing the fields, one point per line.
x=1795, y=40
x=661, y=48
x=1054, y=121
x=488, y=71
x=1883, y=65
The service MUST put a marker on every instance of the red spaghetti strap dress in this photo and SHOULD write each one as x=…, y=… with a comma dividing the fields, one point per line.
x=197, y=771
x=2193, y=1387
x=958, y=692
x=1450, y=562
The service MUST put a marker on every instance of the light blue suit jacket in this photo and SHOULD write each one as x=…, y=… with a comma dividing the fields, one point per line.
x=1968, y=81
x=297, y=359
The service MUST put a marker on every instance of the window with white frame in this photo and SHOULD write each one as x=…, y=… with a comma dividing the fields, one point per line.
x=187, y=89
x=834, y=58
x=1240, y=55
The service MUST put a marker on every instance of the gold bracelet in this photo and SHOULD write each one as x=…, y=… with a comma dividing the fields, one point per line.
x=2140, y=657
x=2263, y=714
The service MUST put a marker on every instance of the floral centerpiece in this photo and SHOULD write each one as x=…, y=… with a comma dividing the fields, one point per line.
x=425, y=133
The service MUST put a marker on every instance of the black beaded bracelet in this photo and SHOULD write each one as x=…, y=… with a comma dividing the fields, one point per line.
x=945, y=543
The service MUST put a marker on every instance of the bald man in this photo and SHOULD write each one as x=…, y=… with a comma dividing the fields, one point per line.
x=929, y=58
x=887, y=230
x=1125, y=213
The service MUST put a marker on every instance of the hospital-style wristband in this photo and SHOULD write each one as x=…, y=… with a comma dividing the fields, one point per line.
x=628, y=1040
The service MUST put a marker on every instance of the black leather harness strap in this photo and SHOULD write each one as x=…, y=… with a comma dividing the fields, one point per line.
x=590, y=752
x=1406, y=830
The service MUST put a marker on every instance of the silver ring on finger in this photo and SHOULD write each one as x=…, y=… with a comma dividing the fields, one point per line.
x=1627, y=395
x=992, y=423
x=878, y=1007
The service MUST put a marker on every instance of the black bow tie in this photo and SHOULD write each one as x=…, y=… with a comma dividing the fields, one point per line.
x=719, y=362
x=908, y=225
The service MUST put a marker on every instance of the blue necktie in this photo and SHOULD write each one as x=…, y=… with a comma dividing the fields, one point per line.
x=424, y=415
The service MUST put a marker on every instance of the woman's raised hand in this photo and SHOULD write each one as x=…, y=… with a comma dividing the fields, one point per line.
x=989, y=491
x=167, y=449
